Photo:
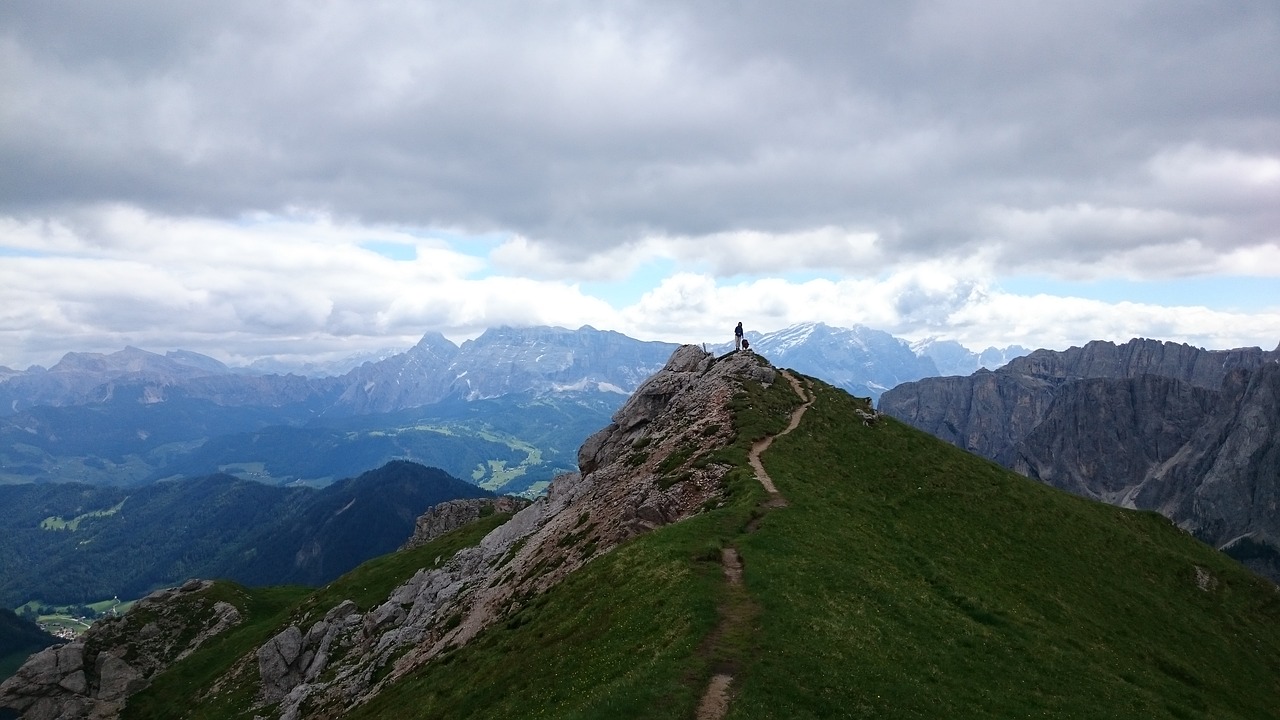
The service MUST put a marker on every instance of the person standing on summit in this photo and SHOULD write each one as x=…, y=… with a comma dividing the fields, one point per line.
x=737, y=337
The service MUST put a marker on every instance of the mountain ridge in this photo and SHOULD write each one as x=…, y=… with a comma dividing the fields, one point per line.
x=501, y=360
x=134, y=417
x=901, y=577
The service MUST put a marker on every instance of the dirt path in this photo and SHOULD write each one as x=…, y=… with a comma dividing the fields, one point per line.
x=715, y=699
x=764, y=443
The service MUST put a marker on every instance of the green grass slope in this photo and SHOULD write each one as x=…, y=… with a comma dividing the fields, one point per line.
x=911, y=579
x=904, y=579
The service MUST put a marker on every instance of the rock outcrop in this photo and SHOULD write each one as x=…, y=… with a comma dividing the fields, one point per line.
x=651, y=466
x=1186, y=432
x=94, y=676
x=453, y=514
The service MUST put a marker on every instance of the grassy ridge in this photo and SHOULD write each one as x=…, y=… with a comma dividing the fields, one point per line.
x=911, y=579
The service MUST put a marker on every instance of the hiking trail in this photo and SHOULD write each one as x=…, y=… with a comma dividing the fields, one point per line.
x=775, y=499
x=715, y=699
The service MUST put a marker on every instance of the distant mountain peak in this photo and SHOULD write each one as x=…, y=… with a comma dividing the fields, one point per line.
x=859, y=359
x=952, y=358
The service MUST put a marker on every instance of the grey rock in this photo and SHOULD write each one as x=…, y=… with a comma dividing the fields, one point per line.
x=117, y=679
x=453, y=514
x=276, y=664
x=76, y=683
x=90, y=678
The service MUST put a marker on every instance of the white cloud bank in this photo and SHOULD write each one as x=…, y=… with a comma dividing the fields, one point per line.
x=309, y=286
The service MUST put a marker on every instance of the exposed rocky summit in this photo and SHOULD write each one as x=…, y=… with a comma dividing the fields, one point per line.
x=1140, y=356
x=650, y=467
x=94, y=676
x=1187, y=432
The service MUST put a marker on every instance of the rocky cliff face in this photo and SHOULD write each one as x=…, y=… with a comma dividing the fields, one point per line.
x=651, y=466
x=94, y=676
x=449, y=516
x=1098, y=435
x=1140, y=356
x=1230, y=470
x=1161, y=426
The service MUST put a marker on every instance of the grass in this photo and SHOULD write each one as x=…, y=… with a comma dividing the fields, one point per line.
x=909, y=579
x=57, y=523
x=369, y=584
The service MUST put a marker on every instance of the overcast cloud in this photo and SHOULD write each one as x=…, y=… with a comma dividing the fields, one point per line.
x=304, y=179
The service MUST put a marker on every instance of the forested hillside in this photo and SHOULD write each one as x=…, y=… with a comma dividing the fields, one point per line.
x=69, y=543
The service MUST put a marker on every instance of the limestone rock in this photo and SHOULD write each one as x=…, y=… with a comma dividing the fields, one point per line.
x=91, y=677
x=453, y=514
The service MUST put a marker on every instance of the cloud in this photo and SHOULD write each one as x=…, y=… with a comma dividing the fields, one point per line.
x=242, y=159
x=931, y=302
x=122, y=276
x=588, y=127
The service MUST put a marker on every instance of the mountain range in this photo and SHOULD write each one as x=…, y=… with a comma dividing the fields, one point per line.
x=1191, y=433
x=506, y=410
x=739, y=541
x=499, y=362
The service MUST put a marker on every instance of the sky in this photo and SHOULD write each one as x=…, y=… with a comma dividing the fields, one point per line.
x=307, y=180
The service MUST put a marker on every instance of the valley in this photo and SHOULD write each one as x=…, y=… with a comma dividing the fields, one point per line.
x=70, y=621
